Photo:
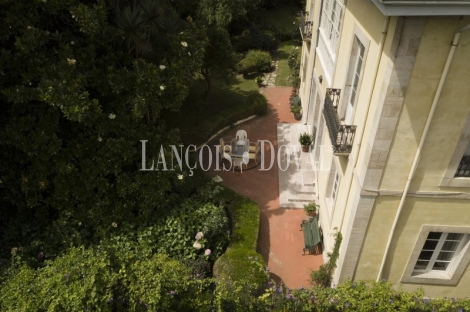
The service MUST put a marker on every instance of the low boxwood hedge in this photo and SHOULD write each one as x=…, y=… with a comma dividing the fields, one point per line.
x=241, y=261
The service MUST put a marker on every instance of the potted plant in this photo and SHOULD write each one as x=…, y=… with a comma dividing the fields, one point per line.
x=306, y=141
x=311, y=209
x=297, y=110
x=259, y=80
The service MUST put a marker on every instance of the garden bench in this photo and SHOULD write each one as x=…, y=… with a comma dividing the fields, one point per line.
x=312, y=235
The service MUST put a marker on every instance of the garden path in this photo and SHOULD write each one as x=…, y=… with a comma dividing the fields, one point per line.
x=270, y=78
x=280, y=240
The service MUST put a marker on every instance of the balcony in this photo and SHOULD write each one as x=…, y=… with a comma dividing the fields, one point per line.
x=342, y=136
x=305, y=27
x=464, y=167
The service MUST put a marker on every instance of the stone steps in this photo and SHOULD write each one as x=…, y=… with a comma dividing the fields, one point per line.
x=296, y=184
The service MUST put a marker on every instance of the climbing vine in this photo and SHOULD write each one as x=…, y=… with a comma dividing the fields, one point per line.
x=323, y=276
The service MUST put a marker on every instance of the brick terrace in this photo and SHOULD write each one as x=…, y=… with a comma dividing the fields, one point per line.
x=280, y=240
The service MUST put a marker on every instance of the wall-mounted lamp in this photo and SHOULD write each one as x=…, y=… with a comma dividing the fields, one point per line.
x=320, y=78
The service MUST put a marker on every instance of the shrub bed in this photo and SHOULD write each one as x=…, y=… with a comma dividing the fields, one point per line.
x=255, y=61
x=241, y=261
x=105, y=280
x=362, y=296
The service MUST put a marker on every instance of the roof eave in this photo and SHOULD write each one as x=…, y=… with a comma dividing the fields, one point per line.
x=426, y=9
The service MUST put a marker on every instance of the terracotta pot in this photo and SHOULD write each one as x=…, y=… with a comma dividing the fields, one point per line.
x=305, y=148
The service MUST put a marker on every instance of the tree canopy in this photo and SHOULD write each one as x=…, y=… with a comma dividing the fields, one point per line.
x=81, y=83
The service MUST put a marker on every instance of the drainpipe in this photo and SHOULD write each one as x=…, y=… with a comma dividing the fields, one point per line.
x=376, y=70
x=454, y=45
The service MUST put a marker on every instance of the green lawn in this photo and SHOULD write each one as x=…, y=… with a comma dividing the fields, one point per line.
x=283, y=18
x=196, y=112
x=284, y=77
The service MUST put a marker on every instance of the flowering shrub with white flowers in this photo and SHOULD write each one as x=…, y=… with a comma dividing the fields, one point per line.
x=192, y=228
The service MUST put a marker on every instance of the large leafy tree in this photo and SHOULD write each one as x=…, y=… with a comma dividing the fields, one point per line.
x=223, y=12
x=78, y=91
x=214, y=18
x=219, y=58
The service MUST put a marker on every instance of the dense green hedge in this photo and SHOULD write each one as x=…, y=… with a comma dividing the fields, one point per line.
x=255, y=61
x=256, y=104
x=121, y=280
x=241, y=261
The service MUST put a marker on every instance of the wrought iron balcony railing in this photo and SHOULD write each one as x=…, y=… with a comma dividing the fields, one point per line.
x=305, y=27
x=464, y=167
x=342, y=136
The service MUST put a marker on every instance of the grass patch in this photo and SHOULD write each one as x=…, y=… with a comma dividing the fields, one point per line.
x=283, y=18
x=284, y=75
x=228, y=102
x=237, y=84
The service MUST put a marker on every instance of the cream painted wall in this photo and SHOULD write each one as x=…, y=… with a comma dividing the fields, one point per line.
x=333, y=216
x=416, y=213
x=367, y=15
x=374, y=21
x=370, y=128
x=449, y=118
x=348, y=189
x=305, y=83
x=319, y=72
x=346, y=226
x=450, y=114
x=376, y=237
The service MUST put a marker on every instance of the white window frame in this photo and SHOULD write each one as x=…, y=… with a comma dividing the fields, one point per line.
x=365, y=41
x=455, y=269
x=332, y=189
x=335, y=186
x=449, y=178
x=330, y=35
x=437, y=250
x=331, y=21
